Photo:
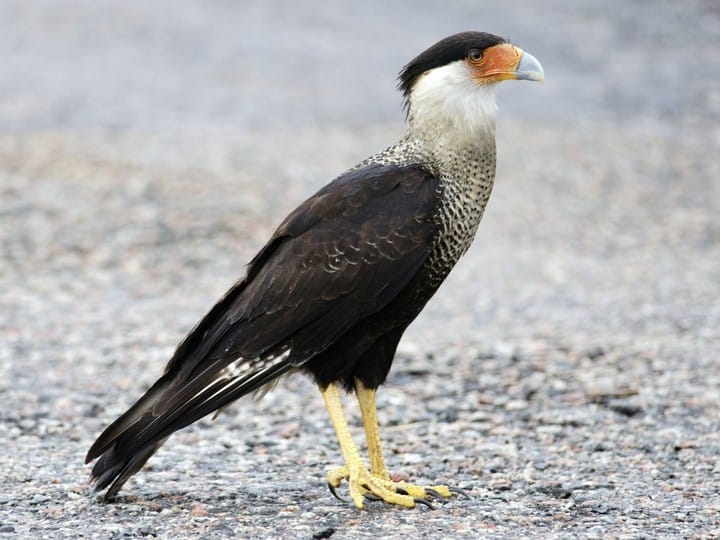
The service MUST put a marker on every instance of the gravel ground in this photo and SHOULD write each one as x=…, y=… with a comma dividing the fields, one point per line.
x=567, y=376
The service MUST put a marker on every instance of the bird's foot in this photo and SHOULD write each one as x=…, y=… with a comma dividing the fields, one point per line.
x=379, y=487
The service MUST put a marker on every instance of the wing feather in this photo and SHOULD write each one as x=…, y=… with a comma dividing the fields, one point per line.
x=340, y=256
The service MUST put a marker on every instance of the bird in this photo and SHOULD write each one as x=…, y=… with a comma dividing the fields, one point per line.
x=334, y=289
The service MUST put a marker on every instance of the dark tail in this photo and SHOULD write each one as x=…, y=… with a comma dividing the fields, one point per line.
x=169, y=405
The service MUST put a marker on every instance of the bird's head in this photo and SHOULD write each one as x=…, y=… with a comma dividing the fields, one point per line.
x=451, y=84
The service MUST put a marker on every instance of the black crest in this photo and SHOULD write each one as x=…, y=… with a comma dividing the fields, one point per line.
x=450, y=49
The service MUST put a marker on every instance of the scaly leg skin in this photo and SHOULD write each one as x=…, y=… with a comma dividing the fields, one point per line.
x=363, y=483
x=360, y=480
x=366, y=399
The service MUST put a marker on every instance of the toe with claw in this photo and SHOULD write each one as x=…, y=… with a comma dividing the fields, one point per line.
x=368, y=486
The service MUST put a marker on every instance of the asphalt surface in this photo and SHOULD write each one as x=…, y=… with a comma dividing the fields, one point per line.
x=567, y=376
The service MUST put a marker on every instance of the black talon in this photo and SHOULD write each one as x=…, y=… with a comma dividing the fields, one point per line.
x=373, y=497
x=401, y=491
x=423, y=501
x=459, y=492
x=332, y=490
x=434, y=493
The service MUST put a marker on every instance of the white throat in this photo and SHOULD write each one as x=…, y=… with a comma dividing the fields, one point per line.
x=448, y=104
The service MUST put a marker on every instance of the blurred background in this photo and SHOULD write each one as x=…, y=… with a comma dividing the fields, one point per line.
x=148, y=149
x=151, y=148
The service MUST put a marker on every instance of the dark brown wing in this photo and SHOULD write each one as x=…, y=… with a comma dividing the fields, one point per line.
x=338, y=258
x=341, y=255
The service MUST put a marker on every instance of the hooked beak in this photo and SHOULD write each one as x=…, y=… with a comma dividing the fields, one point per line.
x=529, y=69
x=505, y=61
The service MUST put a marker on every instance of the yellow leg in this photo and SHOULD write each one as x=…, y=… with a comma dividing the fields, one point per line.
x=366, y=399
x=360, y=480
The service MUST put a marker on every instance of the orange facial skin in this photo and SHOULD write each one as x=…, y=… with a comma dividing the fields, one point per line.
x=498, y=63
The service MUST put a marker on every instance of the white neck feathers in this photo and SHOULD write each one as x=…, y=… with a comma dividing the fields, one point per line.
x=447, y=103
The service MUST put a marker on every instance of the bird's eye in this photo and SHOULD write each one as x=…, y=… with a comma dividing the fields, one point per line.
x=475, y=55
